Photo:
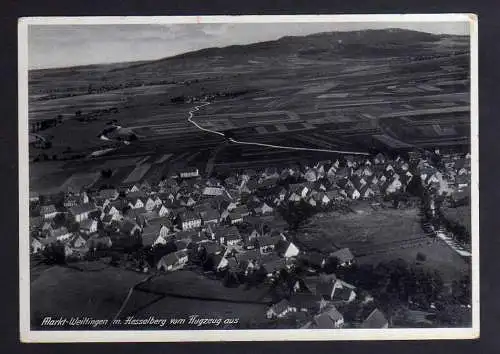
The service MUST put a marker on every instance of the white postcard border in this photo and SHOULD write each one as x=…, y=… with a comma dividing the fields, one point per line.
x=29, y=336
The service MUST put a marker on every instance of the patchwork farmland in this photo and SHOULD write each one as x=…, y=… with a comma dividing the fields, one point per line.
x=350, y=101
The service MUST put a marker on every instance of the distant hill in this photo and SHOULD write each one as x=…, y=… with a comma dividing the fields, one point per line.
x=339, y=42
x=288, y=50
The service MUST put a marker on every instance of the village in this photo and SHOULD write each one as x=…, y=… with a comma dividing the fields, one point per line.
x=244, y=228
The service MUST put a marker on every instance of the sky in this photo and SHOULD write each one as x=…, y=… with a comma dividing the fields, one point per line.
x=51, y=46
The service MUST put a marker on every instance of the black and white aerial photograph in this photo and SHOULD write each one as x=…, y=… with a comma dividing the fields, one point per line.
x=220, y=176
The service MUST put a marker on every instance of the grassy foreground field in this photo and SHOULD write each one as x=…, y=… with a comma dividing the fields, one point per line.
x=460, y=215
x=66, y=292
x=376, y=236
x=181, y=294
x=362, y=231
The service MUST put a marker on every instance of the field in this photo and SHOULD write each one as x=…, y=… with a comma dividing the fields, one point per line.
x=376, y=236
x=352, y=97
x=184, y=293
x=460, y=215
x=66, y=292
x=364, y=231
x=100, y=294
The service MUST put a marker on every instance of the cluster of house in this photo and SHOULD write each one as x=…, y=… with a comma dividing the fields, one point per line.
x=318, y=301
x=207, y=208
x=452, y=179
x=233, y=223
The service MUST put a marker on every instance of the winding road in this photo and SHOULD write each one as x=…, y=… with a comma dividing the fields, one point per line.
x=197, y=108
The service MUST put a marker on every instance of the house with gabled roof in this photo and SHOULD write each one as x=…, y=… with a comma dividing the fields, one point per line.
x=150, y=204
x=267, y=183
x=290, y=250
x=334, y=195
x=94, y=243
x=322, y=198
x=211, y=248
x=36, y=246
x=61, y=233
x=78, y=242
x=231, y=181
x=231, y=236
x=211, y=216
x=379, y=159
x=352, y=193
x=270, y=172
x=312, y=201
x=235, y=217
x=110, y=218
x=145, y=186
x=331, y=172
x=376, y=319
x=267, y=244
x=211, y=191
x=189, y=172
x=189, y=220
x=305, y=302
x=47, y=227
x=187, y=237
x=280, y=309
x=462, y=182
x=136, y=194
x=129, y=228
x=298, y=189
x=273, y=264
x=162, y=211
x=172, y=261
x=264, y=209
x=136, y=214
x=343, y=295
x=34, y=196
x=187, y=201
x=134, y=188
x=82, y=211
x=311, y=175
x=248, y=261
x=88, y=226
x=70, y=201
x=167, y=196
x=35, y=222
x=329, y=318
x=182, y=245
x=343, y=256
x=48, y=212
x=156, y=232
x=135, y=203
x=109, y=194
x=394, y=186
x=112, y=209
x=366, y=192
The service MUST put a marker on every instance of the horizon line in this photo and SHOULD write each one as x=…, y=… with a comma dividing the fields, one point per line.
x=132, y=62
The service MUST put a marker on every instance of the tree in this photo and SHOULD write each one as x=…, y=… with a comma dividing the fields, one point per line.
x=297, y=214
x=106, y=173
x=421, y=257
x=54, y=253
x=331, y=265
x=231, y=279
x=415, y=187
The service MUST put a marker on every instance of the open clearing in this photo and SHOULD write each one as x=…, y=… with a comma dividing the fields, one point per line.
x=66, y=292
x=460, y=215
x=382, y=235
x=99, y=294
x=184, y=293
x=362, y=230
